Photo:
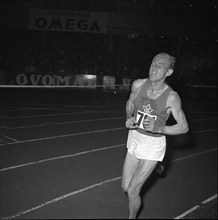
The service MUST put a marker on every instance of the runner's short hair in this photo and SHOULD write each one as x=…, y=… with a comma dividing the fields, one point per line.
x=172, y=59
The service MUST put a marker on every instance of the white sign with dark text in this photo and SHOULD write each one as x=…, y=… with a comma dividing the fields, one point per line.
x=61, y=20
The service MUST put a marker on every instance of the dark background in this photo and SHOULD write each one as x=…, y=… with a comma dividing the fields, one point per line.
x=136, y=31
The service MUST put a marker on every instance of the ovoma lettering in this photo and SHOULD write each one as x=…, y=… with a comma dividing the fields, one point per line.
x=63, y=80
x=46, y=80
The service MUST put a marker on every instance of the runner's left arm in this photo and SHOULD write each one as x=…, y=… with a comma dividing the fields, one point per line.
x=181, y=125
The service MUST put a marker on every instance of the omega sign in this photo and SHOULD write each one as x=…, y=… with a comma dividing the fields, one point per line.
x=67, y=24
x=57, y=20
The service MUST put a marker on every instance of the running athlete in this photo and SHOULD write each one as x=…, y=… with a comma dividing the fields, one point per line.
x=150, y=104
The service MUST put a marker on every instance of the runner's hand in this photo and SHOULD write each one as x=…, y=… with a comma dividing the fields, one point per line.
x=130, y=123
x=151, y=125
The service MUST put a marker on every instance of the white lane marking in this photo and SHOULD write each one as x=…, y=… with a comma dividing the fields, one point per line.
x=196, y=154
x=209, y=199
x=81, y=121
x=187, y=212
x=10, y=138
x=60, y=157
x=16, y=108
x=3, y=127
x=82, y=133
x=7, y=105
x=62, y=136
x=86, y=152
x=61, y=197
x=13, y=109
x=63, y=123
x=36, y=116
x=18, y=214
x=66, y=113
x=69, y=113
x=205, y=131
x=196, y=207
x=91, y=151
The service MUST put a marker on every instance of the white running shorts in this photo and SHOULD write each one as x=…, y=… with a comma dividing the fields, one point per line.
x=145, y=146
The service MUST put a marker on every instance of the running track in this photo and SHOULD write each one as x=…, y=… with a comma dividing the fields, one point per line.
x=63, y=159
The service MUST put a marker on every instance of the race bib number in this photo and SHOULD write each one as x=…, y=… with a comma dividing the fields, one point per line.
x=141, y=116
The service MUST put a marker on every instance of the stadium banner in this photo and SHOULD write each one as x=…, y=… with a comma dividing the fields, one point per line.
x=62, y=20
x=77, y=80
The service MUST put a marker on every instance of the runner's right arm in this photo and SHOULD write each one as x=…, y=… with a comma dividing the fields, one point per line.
x=130, y=122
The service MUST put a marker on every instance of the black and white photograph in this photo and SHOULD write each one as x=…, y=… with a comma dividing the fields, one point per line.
x=108, y=109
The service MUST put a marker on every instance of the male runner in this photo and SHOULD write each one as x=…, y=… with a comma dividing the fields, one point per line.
x=150, y=104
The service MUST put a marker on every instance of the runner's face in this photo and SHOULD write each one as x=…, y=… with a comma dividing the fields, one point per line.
x=158, y=68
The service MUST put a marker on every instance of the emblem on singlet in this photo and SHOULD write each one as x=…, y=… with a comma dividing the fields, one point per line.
x=143, y=115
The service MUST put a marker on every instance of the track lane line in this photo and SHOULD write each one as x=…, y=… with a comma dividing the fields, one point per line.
x=81, y=112
x=85, y=152
x=83, y=121
x=63, y=123
x=62, y=136
x=196, y=207
x=59, y=114
x=61, y=157
x=58, y=108
x=80, y=133
x=187, y=212
x=10, y=138
x=18, y=214
x=209, y=199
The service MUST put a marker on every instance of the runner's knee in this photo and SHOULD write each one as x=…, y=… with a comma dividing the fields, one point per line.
x=124, y=186
x=133, y=192
x=125, y=189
